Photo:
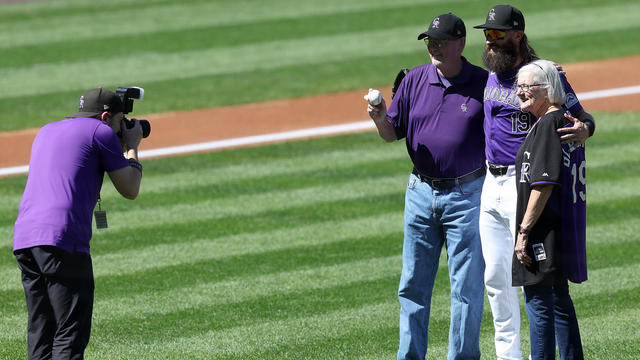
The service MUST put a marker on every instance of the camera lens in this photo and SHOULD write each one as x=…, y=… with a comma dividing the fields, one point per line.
x=146, y=128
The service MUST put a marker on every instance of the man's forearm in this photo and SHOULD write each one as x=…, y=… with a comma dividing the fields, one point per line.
x=385, y=130
x=589, y=121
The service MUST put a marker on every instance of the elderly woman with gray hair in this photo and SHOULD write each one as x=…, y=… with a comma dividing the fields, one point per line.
x=550, y=245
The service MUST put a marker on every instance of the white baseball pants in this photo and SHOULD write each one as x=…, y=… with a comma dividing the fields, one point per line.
x=497, y=229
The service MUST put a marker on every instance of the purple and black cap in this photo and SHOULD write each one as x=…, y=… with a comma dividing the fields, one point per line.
x=96, y=101
x=445, y=27
x=503, y=17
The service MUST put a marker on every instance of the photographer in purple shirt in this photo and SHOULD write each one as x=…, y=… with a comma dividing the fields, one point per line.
x=53, y=228
x=438, y=108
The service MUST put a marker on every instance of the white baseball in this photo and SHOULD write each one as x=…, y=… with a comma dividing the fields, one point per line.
x=374, y=97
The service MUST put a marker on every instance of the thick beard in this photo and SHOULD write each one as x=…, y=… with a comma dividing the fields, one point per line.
x=503, y=59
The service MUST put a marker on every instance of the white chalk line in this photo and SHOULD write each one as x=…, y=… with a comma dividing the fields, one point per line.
x=300, y=134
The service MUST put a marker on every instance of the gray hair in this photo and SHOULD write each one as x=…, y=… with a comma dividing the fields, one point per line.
x=545, y=72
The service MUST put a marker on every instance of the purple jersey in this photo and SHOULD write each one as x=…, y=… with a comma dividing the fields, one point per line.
x=441, y=119
x=574, y=213
x=558, y=237
x=505, y=126
x=68, y=161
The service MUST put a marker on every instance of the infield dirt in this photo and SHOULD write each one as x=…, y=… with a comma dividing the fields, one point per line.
x=188, y=127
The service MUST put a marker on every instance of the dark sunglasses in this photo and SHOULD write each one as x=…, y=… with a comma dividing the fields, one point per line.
x=493, y=34
x=437, y=43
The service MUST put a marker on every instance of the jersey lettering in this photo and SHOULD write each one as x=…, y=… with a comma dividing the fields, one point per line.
x=520, y=122
x=502, y=95
x=525, y=176
x=578, y=174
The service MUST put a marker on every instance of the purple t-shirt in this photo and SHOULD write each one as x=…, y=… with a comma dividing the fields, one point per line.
x=505, y=126
x=68, y=161
x=441, y=119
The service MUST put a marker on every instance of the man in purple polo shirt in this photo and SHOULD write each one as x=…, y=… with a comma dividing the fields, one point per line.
x=53, y=229
x=505, y=127
x=438, y=109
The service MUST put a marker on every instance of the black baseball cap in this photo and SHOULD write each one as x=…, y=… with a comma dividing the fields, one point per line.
x=445, y=27
x=96, y=101
x=503, y=17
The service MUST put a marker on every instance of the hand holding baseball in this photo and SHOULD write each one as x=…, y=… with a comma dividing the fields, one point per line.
x=374, y=97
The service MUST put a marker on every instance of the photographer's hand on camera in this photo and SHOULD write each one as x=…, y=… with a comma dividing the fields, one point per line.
x=127, y=180
x=131, y=137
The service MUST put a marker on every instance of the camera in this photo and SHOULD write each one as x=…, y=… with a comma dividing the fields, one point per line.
x=127, y=94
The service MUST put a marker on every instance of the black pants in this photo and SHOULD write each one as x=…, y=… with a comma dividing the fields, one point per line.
x=59, y=289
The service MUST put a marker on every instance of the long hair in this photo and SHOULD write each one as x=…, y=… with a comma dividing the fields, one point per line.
x=526, y=51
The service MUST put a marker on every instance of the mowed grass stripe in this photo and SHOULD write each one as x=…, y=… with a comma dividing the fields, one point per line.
x=323, y=248
x=612, y=336
x=171, y=40
x=253, y=204
x=32, y=23
x=229, y=344
x=330, y=162
x=257, y=338
x=624, y=229
x=242, y=289
x=206, y=37
x=125, y=262
x=145, y=67
x=209, y=173
x=613, y=190
x=252, y=220
x=286, y=82
x=621, y=250
x=248, y=184
x=360, y=269
x=606, y=200
x=246, y=288
x=174, y=17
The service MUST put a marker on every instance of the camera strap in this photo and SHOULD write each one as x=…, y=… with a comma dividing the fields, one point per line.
x=101, y=216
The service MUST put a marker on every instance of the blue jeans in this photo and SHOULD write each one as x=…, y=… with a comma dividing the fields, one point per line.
x=433, y=218
x=552, y=318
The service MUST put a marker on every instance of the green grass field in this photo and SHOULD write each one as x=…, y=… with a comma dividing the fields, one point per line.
x=292, y=251
x=288, y=251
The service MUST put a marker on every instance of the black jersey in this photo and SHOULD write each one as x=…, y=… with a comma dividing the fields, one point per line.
x=557, y=239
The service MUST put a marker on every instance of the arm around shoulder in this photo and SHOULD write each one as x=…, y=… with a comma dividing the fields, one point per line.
x=583, y=127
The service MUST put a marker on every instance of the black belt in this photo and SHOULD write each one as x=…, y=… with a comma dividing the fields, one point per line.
x=498, y=170
x=448, y=183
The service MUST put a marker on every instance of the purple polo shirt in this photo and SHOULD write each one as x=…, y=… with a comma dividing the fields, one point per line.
x=68, y=161
x=505, y=126
x=441, y=119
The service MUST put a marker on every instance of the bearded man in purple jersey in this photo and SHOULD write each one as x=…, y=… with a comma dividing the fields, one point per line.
x=53, y=229
x=505, y=127
x=438, y=109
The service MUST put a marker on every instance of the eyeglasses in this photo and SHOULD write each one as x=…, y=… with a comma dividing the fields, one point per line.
x=527, y=87
x=436, y=43
x=493, y=34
